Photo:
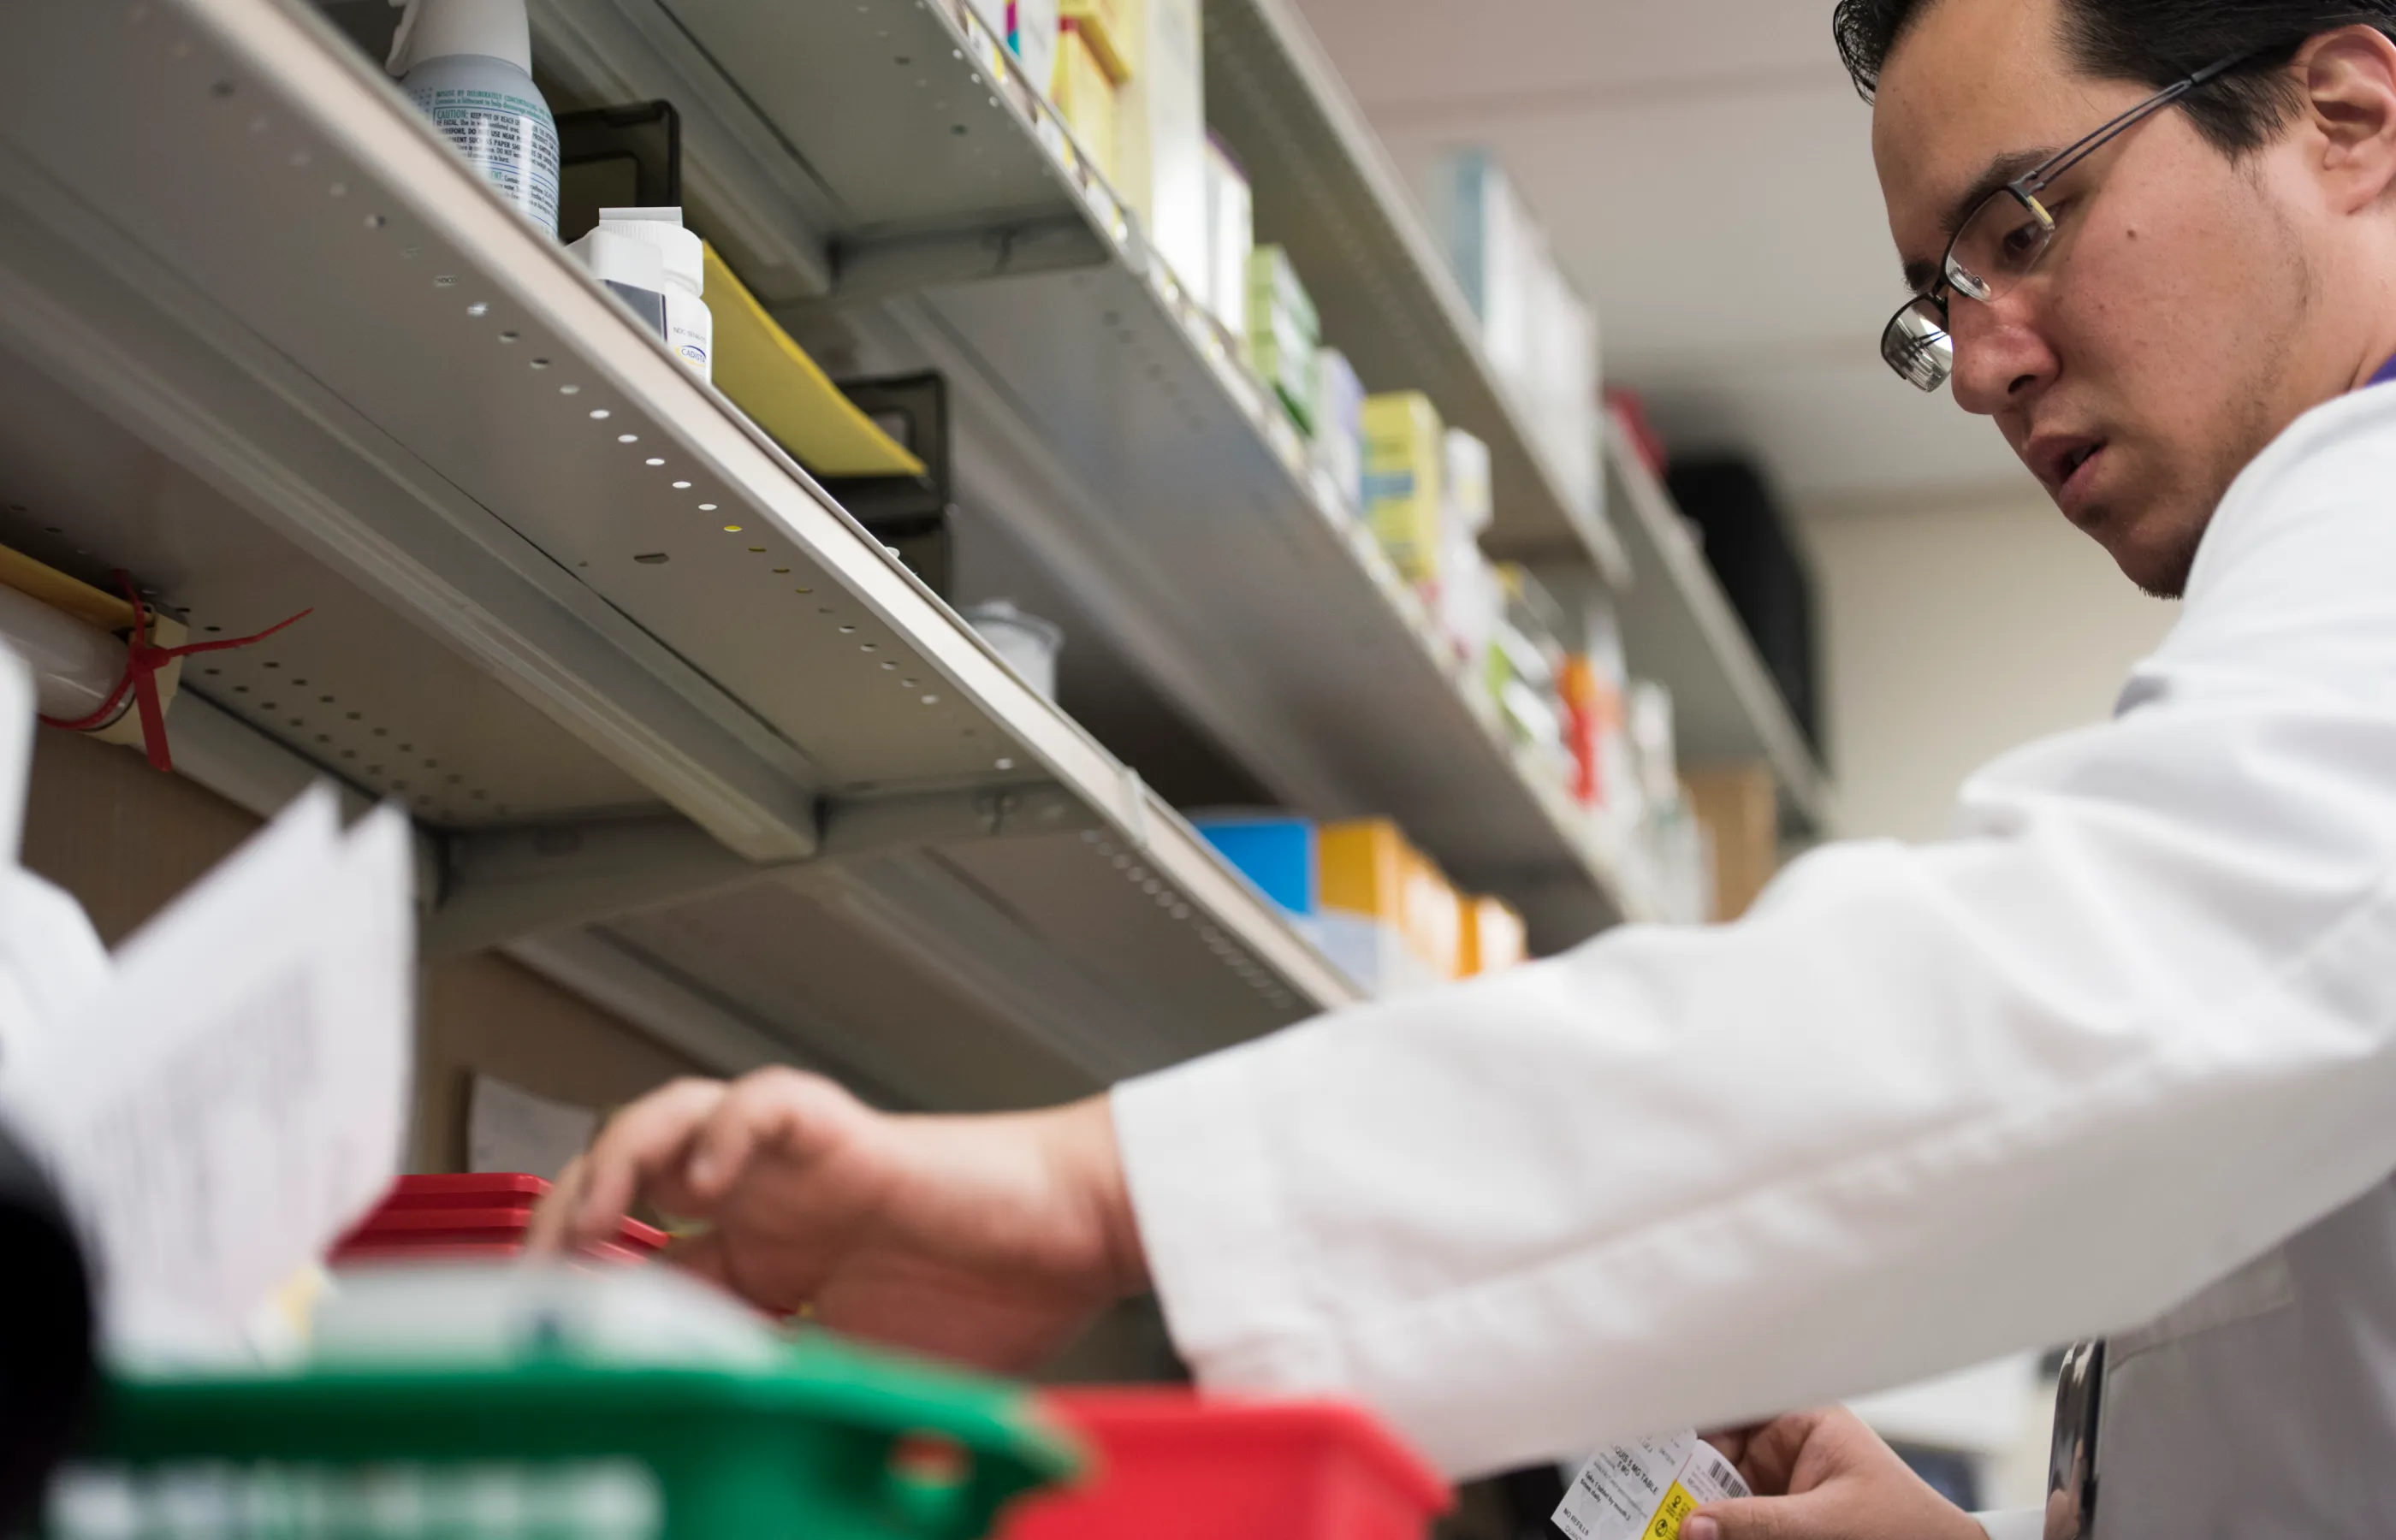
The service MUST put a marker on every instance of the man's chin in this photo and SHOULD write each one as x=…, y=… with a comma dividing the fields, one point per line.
x=2157, y=562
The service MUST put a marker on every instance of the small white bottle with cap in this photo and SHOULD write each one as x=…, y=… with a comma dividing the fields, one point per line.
x=467, y=65
x=633, y=269
x=690, y=325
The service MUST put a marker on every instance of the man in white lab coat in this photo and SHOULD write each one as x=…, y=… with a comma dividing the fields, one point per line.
x=2122, y=1051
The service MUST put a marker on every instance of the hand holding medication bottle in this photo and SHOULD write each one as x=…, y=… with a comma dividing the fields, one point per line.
x=1813, y=1475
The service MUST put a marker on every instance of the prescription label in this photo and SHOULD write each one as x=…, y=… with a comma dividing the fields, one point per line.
x=1643, y=1489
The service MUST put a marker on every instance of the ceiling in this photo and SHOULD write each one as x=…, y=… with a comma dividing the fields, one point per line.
x=1704, y=170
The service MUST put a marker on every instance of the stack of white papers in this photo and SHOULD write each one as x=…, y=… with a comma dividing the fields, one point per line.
x=233, y=1092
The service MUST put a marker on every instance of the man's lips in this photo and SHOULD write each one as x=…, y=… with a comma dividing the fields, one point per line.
x=2067, y=465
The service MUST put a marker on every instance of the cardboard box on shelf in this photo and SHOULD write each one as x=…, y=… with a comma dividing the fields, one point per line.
x=1405, y=456
x=1106, y=29
x=1739, y=805
x=1029, y=28
x=1526, y=668
x=1283, y=333
x=1541, y=335
x=1361, y=866
x=1431, y=916
x=1487, y=237
x=1654, y=745
x=1468, y=599
x=1161, y=134
x=992, y=14
x=1682, y=850
x=1031, y=31
x=1085, y=96
x=1277, y=852
x=1230, y=238
x=1339, y=426
x=1467, y=495
x=1380, y=918
x=1468, y=596
x=1559, y=387
x=1495, y=938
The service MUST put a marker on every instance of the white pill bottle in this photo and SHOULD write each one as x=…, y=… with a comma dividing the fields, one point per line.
x=467, y=65
x=690, y=325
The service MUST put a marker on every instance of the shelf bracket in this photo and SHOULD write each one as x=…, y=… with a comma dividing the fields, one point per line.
x=875, y=826
x=900, y=265
x=499, y=886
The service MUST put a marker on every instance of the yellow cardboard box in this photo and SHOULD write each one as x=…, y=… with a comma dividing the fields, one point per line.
x=1084, y=95
x=1495, y=938
x=1108, y=29
x=1432, y=919
x=1362, y=867
x=1390, y=905
x=1405, y=451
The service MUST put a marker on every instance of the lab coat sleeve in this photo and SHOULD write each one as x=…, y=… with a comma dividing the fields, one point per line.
x=2132, y=1027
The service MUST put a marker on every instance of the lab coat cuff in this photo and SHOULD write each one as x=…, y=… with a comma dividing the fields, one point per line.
x=1224, y=1258
x=2013, y=1524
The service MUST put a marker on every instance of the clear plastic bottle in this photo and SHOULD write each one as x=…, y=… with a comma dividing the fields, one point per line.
x=467, y=65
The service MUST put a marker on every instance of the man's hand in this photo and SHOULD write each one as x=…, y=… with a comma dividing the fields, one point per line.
x=1824, y=1475
x=989, y=1240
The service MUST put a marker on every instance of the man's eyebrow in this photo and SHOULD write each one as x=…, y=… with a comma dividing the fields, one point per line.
x=2004, y=169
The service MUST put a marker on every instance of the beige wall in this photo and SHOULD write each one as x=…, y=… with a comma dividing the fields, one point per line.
x=1953, y=634
x=125, y=839
x=490, y=1015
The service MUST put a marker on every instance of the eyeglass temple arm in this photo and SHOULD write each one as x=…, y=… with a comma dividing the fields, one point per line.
x=2038, y=179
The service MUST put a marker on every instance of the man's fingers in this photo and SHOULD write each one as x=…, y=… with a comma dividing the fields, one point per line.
x=1774, y=1450
x=1731, y=1443
x=784, y=1110
x=1765, y=1519
x=646, y=1142
x=555, y=1212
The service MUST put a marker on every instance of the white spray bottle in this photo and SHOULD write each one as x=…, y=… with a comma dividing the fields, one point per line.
x=467, y=64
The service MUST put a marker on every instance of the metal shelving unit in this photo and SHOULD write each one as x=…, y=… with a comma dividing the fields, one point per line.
x=1325, y=190
x=667, y=717
x=951, y=224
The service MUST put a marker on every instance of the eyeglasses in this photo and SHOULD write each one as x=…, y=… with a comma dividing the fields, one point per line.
x=2005, y=237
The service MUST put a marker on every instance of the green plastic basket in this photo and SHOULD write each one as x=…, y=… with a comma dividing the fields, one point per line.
x=830, y=1444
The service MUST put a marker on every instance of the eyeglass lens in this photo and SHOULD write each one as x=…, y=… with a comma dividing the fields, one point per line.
x=1998, y=245
x=1917, y=347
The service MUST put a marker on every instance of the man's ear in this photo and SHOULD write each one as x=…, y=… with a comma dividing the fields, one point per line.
x=2350, y=82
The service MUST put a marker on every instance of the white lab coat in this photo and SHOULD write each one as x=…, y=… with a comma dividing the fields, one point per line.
x=2134, y=1026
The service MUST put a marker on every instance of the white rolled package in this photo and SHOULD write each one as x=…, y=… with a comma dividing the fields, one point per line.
x=1643, y=1489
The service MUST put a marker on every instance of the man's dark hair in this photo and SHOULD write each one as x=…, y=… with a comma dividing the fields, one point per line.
x=2155, y=41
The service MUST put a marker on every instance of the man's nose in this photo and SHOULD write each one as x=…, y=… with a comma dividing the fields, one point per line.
x=2002, y=358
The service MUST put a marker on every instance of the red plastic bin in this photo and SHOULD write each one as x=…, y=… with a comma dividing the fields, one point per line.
x=432, y=1226
x=1175, y=1466
x=477, y=1216
x=480, y=1189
